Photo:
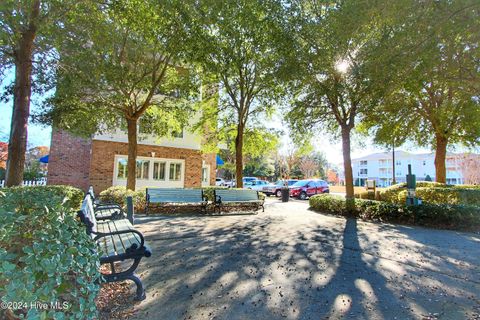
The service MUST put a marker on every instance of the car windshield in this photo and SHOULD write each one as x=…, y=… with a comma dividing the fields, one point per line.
x=292, y=182
x=300, y=183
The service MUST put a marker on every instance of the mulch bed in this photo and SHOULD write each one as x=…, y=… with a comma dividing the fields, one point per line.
x=115, y=300
x=179, y=209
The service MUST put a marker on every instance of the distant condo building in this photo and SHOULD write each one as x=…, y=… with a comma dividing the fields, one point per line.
x=379, y=167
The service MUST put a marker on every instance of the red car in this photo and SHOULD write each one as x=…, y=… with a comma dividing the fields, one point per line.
x=307, y=188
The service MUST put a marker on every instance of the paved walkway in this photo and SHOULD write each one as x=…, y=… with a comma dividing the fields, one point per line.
x=291, y=263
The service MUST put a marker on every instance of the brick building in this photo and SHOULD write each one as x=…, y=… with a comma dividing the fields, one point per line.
x=101, y=161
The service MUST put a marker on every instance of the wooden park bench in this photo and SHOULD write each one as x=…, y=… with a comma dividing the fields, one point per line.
x=227, y=197
x=105, y=210
x=176, y=196
x=117, y=241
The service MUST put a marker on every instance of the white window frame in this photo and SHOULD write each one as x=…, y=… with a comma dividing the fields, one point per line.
x=167, y=183
x=164, y=172
x=181, y=170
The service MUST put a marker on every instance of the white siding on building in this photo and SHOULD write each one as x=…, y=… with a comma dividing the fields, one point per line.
x=379, y=167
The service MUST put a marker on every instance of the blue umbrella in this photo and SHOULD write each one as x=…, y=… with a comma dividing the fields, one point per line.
x=219, y=161
x=44, y=159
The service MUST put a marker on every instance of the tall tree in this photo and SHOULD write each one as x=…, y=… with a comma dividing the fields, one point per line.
x=434, y=53
x=333, y=84
x=27, y=28
x=239, y=46
x=133, y=78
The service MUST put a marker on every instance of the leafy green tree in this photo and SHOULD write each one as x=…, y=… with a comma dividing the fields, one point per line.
x=27, y=32
x=259, y=144
x=238, y=45
x=433, y=50
x=333, y=85
x=133, y=78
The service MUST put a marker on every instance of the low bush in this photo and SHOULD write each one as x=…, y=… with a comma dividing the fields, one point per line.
x=119, y=195
x=448, y=216
x=335, y=204
x=36, y=197
x=370, y=195
x=454, y=196
x=46, y=256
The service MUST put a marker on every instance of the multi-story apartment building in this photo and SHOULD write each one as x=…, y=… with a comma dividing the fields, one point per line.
x=379, y=167
x=101, y=161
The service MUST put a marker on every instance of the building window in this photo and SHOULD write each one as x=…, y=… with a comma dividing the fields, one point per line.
x=122, y=168
x=175, y=171
x=363, y=171
x=178, y=134
x=142, y=169
x=159, y=170
x=398, y=163
x=398, y=173
x=205, y=175
x=424, y=162
x=363, y=162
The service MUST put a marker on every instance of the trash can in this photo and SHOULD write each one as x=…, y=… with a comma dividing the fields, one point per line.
x=285, y=194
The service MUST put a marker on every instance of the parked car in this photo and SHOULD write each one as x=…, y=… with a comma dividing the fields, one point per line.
x=249, y=179
x=276, y=188
x=307, y=188
x=256, y=185
x=220, y=182
x=230, y=183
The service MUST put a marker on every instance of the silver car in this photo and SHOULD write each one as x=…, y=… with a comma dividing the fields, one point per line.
x=256, y=185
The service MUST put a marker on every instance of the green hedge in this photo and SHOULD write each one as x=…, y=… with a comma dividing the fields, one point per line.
x=36, y=197
x=434, y=193
x=465, y=196
x=370, y=195
x=119, y=195
x=45, y=254
x=444, y=216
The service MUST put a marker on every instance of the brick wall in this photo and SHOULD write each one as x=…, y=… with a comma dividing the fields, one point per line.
x=211, y=159
x=69, y=160
x=103, y=157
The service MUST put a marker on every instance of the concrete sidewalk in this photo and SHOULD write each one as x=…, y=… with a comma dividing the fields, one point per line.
x=292, y=263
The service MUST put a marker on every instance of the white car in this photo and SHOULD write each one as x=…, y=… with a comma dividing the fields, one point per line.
x=219, y=182
x=256, y=185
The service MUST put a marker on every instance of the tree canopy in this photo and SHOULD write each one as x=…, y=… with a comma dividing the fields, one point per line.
x=239, y=45
x=433, y=53
x=135, y=78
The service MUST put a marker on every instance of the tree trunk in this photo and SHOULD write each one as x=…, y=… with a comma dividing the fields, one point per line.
x=440, y=158
x=17, y=144
x=347, y=164
x=394, y=181
x=132, y=153
x=239, y=156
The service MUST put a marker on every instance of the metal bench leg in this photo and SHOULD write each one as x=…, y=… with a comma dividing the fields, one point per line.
x=140, y=290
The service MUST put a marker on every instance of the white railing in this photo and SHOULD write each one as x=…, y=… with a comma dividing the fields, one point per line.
x=28, y=183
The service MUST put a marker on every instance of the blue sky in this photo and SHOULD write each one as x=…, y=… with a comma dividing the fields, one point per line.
x=37, y=135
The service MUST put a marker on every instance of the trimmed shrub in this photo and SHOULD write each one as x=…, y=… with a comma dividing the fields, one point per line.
x=119, y=195
x=46, y=256
x=390, y=194
x=433, y=215
x=430, y=184
x=454, y=196
x=25, y=199
x=329, y=203
x=369, y=195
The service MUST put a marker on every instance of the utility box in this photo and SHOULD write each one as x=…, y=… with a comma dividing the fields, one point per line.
x=412, y=200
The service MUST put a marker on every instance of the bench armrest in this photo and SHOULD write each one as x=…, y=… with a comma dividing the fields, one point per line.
x=218, y=199
x=99, y=235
